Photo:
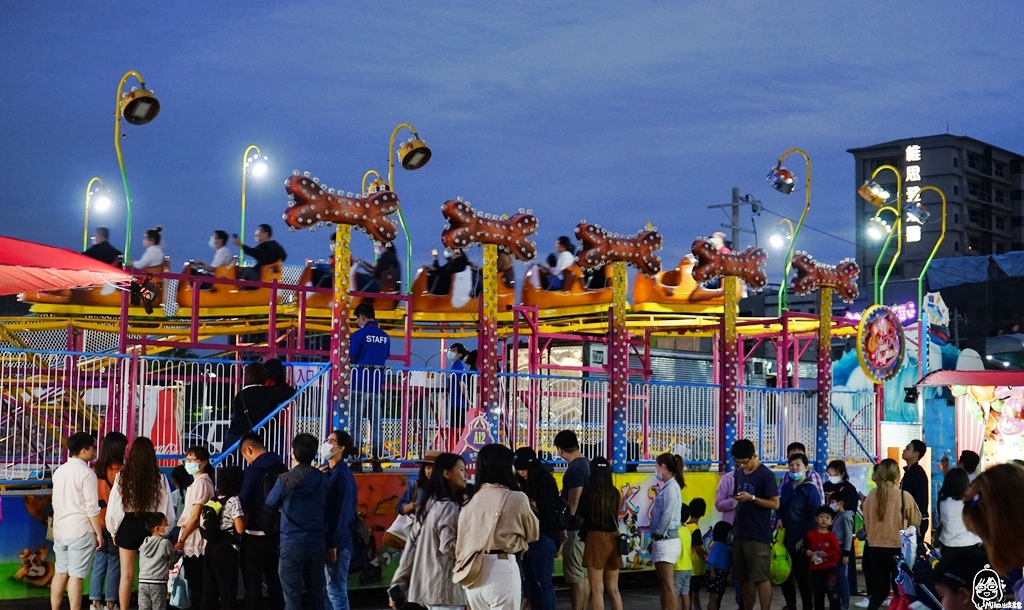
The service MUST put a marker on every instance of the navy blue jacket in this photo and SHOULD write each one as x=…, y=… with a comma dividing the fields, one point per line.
x=369, y=347
x=301, y=494
x=341, y=507
x=796, y=509
x=252, y=488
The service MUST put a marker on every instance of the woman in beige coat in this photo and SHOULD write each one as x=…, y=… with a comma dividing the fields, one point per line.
x=428, y=561
x=887, y=510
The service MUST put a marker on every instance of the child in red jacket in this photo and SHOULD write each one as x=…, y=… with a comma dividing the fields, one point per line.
x=822, y=548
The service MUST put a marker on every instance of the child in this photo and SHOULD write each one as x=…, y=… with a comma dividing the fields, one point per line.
x=684, y=565
x=220, y=570
x=156, y=556
x=842, y=527
x=953, y=579
x=698, y=554
x=719, y=563
x=822, y=548
x=180, y=480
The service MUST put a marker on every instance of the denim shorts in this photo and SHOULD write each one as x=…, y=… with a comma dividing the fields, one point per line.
x=682, y=578
x=74, y=555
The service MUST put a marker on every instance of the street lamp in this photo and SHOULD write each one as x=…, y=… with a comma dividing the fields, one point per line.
x=98, y=199
x=138, y=107
x=784, y=181
x=257, y=166
x=779, y=238
x=412, y=155
x=376, y=186
x=922, y=349
x=874, y=194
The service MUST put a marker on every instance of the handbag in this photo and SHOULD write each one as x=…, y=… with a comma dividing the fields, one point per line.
x=474, y=565
x=781, y=563
x=181, y=595
x=397, y=535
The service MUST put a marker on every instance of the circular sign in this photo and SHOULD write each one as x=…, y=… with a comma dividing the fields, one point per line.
x=880, y=343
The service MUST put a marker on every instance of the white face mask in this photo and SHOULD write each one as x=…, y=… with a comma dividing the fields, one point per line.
x=325, y=451
x=834, y=507
x=451, y=356
x=212, y=243
x=835, y=480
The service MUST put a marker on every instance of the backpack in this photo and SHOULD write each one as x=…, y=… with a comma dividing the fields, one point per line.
x=271, y=518
x=209, y=520
x=563, y=516
x=781, y=562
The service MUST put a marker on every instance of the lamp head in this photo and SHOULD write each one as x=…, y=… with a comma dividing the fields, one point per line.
x=377, y=186
x=778, y=239
x=100, y=201
x=258, y=166
x=916, y=212
x=781, y=179
x=873, y=193
x=413, y=154
x=139, y=106
x=878, y=228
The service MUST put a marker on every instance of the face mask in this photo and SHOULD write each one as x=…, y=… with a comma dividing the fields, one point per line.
x=451, y=356
x=192, y=468
x=325, y=451
x=212, y=243
x=798, y=476
x=835, y=480
x=659, y=477
x=834, y=507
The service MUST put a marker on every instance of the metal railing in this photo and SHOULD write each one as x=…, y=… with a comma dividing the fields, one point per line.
x=775, y=417
x=851, y=430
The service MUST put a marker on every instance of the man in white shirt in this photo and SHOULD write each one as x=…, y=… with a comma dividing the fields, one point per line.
x=221, y=255
x=77, y=531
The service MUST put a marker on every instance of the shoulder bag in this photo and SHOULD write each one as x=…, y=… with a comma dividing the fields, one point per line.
x=473, y=565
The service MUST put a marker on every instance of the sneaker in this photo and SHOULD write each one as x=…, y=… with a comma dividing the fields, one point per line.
x=863, y=603
x=887, y=601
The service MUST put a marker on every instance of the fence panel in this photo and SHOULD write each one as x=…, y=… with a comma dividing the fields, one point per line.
x=851, y=430
x=677, y=417
x=773, y=418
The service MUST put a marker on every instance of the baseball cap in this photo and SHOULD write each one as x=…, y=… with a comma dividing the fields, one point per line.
x=957, y=570
x=524, y=457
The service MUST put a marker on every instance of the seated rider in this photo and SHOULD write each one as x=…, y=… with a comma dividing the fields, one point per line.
x=222, y=256
x=101, y=249
x=154, y=254
x=266, y=252
x=439, y=277
x=323, y=273
x=506, y=270
x=385, y=273
x=552, y=276
x=595, y=279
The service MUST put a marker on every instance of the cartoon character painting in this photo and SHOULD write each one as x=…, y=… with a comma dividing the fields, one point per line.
x=35, y=569
x=880, y=343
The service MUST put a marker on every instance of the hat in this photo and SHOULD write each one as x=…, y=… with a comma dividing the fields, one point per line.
x=957, y=570
x=430, y=457
x=524, y=458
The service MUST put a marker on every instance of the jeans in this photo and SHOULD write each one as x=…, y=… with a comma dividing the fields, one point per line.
x=105, y=562
x=843, y=577
x=366, y=407
x=799, y=577
x=538, y=566
x=259, y=564
x=851, y=572
x=337, y=580
x=298, y=564
x=499, y=587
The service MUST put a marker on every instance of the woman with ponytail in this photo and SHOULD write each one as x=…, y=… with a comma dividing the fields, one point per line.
x=665, y=523
x=886, y=510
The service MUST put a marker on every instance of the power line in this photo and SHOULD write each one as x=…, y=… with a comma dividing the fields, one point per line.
x=807, y=226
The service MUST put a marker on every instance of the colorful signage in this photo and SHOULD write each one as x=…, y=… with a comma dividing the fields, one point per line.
x=880, y=343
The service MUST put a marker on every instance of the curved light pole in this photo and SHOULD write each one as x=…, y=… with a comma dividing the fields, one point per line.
x=258, y=165
x=922, y=356
x=787, y=188
x=375, y=185
x=413, y=155
x=897, y=227
x=138, y=107
x=101, y=204
x=777, y=240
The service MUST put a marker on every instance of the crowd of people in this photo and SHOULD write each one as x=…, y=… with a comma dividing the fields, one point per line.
x=288, y=532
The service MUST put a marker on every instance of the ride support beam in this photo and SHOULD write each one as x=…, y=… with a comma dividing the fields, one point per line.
x=618, y=370
x=341, y=375
x=488, y=343
x=824, y=410
x=729, y=352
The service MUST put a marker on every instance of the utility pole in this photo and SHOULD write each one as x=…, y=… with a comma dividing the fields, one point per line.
x=737, y=201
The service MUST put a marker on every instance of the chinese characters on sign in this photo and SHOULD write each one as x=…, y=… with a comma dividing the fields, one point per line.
x=913, y=155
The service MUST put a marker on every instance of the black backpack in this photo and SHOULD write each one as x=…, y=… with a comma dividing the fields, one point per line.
x=209, y=520
x=271, y=518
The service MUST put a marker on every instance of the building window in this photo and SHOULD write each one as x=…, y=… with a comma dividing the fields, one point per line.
x=999, y=169
x=1000, y=223
x=956, y=162
x=977, y=190
x=956, y=219
x=1000, y=248
x=956, y=246
x=1000, y=196
x=1016, y=195
x=974, y=216
x=956, y=190
x=974, y=245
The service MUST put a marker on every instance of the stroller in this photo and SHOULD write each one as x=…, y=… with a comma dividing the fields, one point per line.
x=912, y=595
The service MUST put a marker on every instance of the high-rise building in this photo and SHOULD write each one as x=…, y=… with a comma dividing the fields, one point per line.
x=984, y=188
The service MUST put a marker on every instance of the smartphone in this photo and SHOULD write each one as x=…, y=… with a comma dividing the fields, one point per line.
x=235, y=235
x=397, y=595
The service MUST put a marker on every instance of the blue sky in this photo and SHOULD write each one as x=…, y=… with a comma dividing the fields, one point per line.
x=619, y=113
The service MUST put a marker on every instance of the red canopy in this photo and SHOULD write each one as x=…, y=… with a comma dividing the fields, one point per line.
x=26, y=266
x=981, y=378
